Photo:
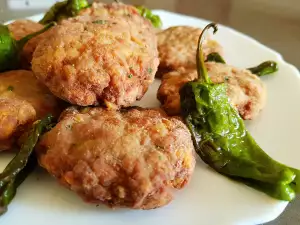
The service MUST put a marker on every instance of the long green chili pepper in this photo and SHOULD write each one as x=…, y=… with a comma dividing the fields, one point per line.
x=10, y=190
x=264, y=68
x=147, y=13
x=64, y=9
x=215, y=57
x=10, y=48
x=22, y=164
x=222, y=141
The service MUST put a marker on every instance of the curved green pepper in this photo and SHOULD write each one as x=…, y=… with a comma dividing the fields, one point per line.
x=22, y=164
x=10, y=48
x=222, y=141
x=62, y=10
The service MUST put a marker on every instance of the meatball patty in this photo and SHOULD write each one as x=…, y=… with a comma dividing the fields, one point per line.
x=88, y=60
x=22, y=28
x=131, y=158
x=177, y=47
x=246, y=91
x=22, y=100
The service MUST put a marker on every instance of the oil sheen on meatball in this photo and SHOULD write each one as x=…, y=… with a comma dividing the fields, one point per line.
x=246, y=92
x=89, y=60
x=22, y=100
x=131, y=158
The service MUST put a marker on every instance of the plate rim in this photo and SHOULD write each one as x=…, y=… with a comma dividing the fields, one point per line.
x=222, y=26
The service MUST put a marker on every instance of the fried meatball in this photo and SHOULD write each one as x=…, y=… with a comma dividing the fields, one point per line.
x=22, y=28
x=89, y=60
x=131, y=158
x=22, y=100
x=177, y=48
x=246, y=91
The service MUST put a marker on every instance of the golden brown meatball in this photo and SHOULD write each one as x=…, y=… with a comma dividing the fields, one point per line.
x=22, y=28
x=246, y=91
x=177, y=48
x=131, y=158
x=22, y=100
x=89, y=60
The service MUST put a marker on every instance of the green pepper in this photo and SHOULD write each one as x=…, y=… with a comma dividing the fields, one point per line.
x=147, y=13
x=264, y=68
x=10, y=48
x=63, y=10
x=222, y=141
x=215, y=57
x=22, y=164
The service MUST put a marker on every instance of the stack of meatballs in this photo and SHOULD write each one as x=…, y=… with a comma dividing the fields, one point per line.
x=98, y=63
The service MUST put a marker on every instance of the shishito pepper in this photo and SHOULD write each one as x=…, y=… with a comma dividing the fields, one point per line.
x=64, y=9
x=222, y=141
x=147, y=13
x=22, y=164
x=10, y=48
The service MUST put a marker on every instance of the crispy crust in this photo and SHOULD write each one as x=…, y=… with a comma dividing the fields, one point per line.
x=134, y=158
x=88, y=60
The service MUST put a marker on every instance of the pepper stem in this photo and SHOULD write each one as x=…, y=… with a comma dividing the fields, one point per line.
x=201, y=69
x=25, y=39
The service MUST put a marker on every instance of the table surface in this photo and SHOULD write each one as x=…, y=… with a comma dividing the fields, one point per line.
x=274, y=23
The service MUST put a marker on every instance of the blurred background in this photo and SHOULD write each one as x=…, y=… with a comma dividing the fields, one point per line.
x=275, y=23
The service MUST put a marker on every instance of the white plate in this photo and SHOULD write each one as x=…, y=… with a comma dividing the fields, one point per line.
x=210, y=199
